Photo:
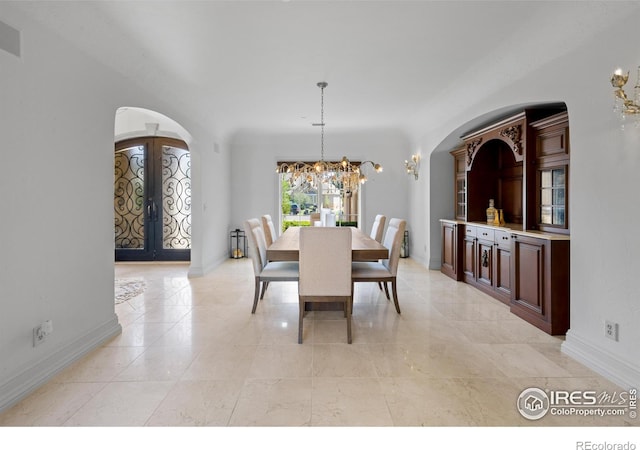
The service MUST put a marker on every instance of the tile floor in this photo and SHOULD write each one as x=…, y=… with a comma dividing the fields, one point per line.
x=191, y=353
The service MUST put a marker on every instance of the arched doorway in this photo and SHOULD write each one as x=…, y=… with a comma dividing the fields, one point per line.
x=152, y=188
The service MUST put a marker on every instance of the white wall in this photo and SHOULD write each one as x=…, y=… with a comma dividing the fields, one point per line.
x=603, y=197
x=255, y=183
x=57, y=110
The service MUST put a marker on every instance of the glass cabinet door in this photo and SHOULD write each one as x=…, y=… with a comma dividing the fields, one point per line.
x=552, y=196
x=461, y=198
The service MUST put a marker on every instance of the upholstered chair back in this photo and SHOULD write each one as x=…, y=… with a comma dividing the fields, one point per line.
x=269, y=229
x=254, y=251
x=393, y=241
x=325, y=261
x=378, y=227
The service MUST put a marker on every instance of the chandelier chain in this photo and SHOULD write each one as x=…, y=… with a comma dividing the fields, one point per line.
x=343, y=175
x=321, y=123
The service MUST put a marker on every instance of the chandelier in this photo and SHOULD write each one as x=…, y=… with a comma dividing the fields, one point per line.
x=345, y=175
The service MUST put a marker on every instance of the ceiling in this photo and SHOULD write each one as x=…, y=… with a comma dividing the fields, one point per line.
x=253, y=65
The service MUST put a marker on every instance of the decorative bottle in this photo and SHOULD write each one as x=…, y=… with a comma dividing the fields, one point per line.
x=491, y=212
x=502, y=222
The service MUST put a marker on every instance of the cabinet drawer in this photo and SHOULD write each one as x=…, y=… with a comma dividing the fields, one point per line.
x=486, y=234
x=470, y=231
x=503, y=239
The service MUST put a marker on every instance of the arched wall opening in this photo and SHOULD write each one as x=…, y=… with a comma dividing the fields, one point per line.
x=132, y=122
x=152, y=187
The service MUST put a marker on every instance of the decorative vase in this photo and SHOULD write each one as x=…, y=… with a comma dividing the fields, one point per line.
x=496, y=218
x=502, y=222
x=491, y=212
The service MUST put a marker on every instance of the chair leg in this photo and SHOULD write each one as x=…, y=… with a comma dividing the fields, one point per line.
x=386, y=290
x=380, y=285
x=255, y=296
x=352, y=291
x=300, y=318
x=395, y=295
x=348, y=307
x=265, y=285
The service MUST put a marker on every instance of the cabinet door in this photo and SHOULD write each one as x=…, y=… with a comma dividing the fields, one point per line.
x=469, y=259
x=502, y=273
x=485, y=263
x=502, y=266
x=461, y=197
x=528, y=275
x=450, y=250
x=460, y=187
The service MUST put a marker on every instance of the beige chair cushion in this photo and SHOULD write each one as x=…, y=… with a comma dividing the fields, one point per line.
x=280, y=271
x=372, y=270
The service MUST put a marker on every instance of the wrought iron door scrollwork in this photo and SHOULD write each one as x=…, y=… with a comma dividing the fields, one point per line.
x=176, y=198
x=129, y=201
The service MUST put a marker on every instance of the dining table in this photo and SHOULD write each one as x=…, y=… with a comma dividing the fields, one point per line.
x=364, y=248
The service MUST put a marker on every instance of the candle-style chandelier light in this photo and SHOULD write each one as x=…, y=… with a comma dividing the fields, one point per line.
x=344, y=174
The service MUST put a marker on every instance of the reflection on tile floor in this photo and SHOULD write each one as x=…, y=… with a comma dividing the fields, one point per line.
x=192, y=354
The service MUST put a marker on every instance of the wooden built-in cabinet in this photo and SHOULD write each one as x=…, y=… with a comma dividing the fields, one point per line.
x=522, y=163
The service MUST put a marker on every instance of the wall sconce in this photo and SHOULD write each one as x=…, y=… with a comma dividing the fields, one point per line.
x=623, y=105
x=413, y=166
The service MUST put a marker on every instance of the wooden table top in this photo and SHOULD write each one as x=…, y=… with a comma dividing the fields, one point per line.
x=286, y=247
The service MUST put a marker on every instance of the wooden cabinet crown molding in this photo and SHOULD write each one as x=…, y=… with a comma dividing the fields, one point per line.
x=511, y=131
x=472, y=148
x=514, y=134
x=557, y=119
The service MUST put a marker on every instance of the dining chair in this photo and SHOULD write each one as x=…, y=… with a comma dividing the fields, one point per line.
x=377, y=229
x=325, y=270
x=265, y=271
x=269, y=229
x=386, y=270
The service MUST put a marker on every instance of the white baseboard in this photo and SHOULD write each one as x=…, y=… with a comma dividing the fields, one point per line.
x=435, y=264
x=199, y=271
x=616, y=370
x=26, y=381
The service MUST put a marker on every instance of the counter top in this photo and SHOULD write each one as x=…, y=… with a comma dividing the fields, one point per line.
x=514, y=228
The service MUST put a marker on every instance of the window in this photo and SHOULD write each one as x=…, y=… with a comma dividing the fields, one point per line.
x=298, y=201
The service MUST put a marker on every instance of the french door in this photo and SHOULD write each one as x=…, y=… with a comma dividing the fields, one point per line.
x=152, y=200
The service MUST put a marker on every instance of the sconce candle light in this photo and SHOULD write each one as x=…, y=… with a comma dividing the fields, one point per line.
x=413, y=166
x=623, y=105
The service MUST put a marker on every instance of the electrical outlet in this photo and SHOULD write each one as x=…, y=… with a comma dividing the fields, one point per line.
x=611, y=330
